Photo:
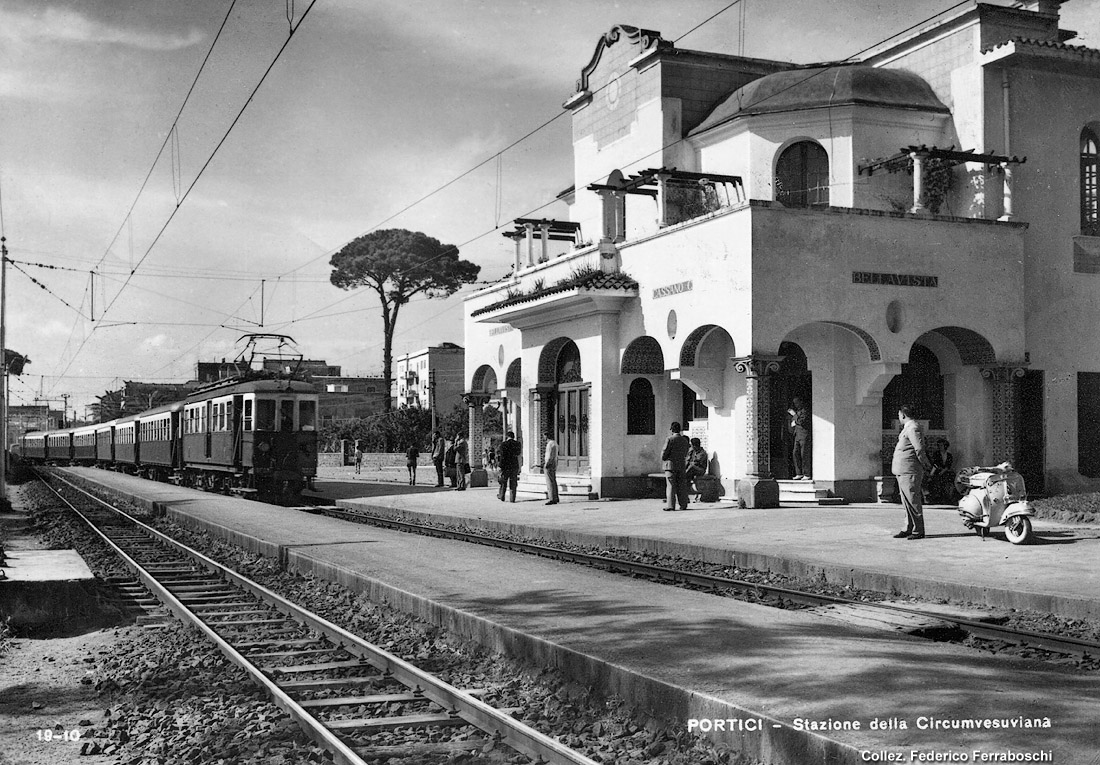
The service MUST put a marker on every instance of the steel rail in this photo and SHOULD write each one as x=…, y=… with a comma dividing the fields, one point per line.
x=985, y=630
x=312, y=727
x=503, y=728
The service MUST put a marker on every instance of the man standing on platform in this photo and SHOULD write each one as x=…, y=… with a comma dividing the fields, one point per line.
x=509, y=467
x=439, y=448
x=550, y=465
x=675, y=464
x=908, y=466
x=462, y=461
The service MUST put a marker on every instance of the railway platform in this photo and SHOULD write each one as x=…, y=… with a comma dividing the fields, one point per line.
x=845, y=544
x=784, y=686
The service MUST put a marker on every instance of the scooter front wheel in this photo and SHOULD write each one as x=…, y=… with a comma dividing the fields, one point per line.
x=1018, y=529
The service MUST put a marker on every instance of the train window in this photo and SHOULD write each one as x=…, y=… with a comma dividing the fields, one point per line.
x=265, y=415
x=307, y=415
x=286, y=415
x=248, y=414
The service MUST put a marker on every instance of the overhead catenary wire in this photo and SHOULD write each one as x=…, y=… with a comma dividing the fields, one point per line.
x=199, y=175
x=128, y=220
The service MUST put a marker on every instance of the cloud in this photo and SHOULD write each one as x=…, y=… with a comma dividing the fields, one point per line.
x=14, y=84
x=68, y=25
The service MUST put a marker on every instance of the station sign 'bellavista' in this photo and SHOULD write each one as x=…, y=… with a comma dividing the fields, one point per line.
x=895, y=280
x=672, y=289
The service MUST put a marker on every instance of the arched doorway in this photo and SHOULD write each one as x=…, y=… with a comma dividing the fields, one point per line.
x=560, y=405
x=920, y=385
x=793, y=380
x=570, y=416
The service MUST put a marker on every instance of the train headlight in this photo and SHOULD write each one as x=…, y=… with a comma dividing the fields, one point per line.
x=264, y=447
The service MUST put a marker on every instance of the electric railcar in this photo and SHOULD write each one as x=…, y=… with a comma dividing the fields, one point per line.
x=251, y=437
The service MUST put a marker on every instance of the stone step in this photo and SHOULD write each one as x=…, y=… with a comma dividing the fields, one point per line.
x=806, y=493
x=532, y=485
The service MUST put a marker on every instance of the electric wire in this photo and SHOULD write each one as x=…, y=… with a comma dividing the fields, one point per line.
x=171, y=131
x=40, y=285
x=199, y=175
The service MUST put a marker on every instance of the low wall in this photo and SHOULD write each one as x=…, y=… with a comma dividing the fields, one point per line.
x=373, y=460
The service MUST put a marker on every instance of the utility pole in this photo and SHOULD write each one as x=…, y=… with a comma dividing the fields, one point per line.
x=65, y=410
x=4, y=378
x=431, y=396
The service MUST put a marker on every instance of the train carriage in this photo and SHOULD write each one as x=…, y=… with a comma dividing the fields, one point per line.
x=105, y=443
x=254, y=436
x=158, y=441
x=84, y=440
x=125, y=444
x=59, y=446
x=34, y=446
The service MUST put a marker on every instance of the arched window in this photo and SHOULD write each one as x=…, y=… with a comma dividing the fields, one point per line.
x=640, y=406
x=569, y=364
x=1090, y=195
x=802, y=175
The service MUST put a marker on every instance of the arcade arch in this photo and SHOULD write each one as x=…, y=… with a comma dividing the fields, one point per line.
x=704, y=358
x=484, y=380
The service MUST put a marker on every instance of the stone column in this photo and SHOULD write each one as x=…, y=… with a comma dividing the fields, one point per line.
x=475, y=441
x=518, y=264
x=759, y=489
x=530, y=243
x=662, y=199
x=918, y=182
x=544, y=230
x=1006, y=412
x=1006, y=169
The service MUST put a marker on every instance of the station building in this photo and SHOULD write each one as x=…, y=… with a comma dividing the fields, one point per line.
x=918, y=226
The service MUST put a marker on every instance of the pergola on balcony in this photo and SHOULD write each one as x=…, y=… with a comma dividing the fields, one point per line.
x=680, y=195
x=915, y=159
x=549, y=231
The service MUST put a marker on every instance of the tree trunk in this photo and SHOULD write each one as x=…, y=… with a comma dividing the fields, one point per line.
x=387, y=358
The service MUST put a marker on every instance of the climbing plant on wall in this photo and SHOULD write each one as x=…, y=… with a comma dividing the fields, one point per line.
x=939, y=180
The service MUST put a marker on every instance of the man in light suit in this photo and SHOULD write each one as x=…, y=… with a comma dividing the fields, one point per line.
x=908, y=466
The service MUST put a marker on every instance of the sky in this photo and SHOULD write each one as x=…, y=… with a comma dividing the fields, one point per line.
x=369, y=108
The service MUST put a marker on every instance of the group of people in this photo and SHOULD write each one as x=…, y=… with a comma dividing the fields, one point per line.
x=451, y=458
x=683, y=460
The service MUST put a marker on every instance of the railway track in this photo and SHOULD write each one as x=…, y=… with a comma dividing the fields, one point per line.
x=757, y=592
x=322, y=675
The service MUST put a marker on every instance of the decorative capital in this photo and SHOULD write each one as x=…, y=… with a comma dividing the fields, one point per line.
x=757, y=366
x=475, y=399
x=1003, y=374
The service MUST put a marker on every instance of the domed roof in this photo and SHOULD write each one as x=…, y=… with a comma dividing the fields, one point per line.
x=823, y=86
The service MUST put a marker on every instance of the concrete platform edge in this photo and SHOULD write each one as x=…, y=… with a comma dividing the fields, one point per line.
x=668, y=704
x=665, y=703
x=866, y=579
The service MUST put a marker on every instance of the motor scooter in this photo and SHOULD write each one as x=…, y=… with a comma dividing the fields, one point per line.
x=995, y=496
